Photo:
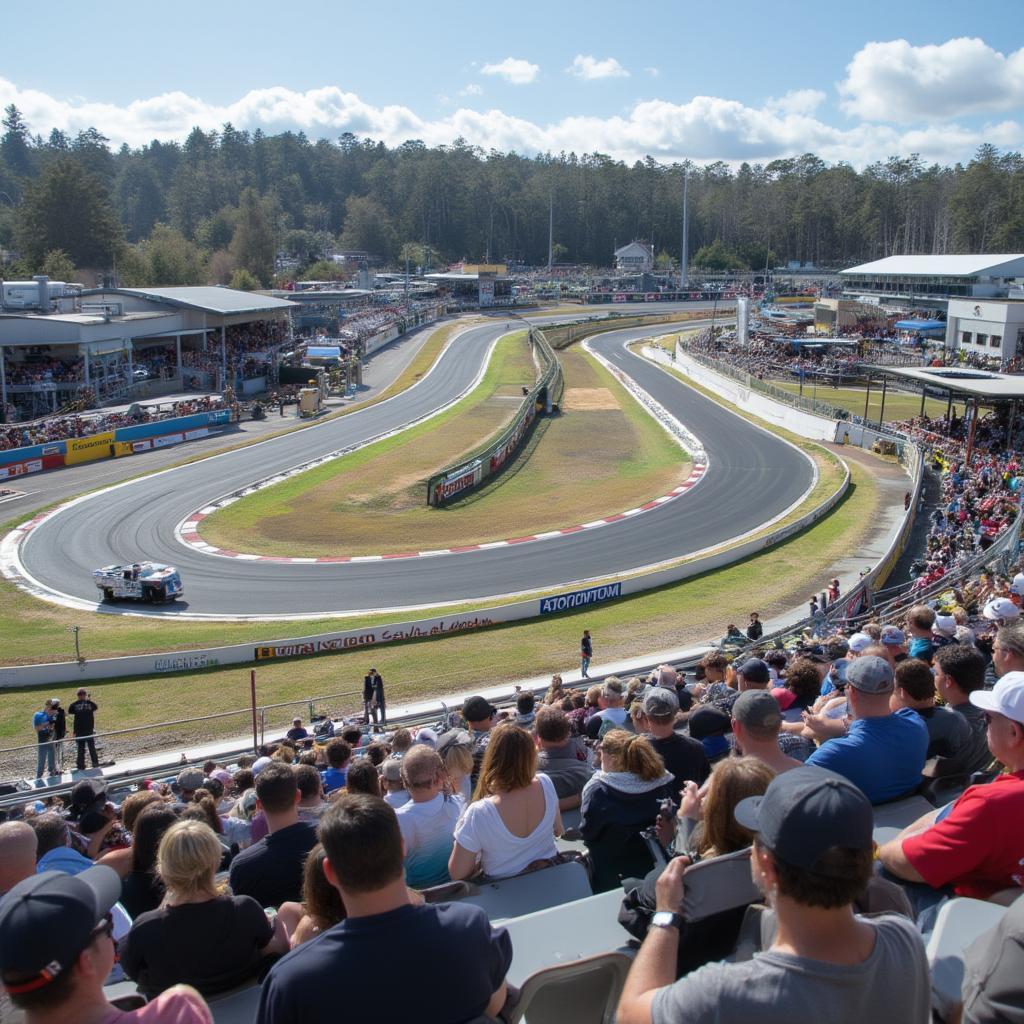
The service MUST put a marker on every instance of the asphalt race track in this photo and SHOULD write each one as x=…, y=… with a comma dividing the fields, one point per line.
x=752, y=477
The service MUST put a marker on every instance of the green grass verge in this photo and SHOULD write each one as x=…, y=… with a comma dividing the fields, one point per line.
x=898, y=404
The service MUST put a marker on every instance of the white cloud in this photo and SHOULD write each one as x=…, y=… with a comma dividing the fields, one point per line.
x=704, y=129
x=653, y=72
x=471, y=90
x=514, y=70
x=896, y=81
x=590, y=68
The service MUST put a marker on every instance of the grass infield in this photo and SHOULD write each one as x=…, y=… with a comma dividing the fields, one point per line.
x=899, y=405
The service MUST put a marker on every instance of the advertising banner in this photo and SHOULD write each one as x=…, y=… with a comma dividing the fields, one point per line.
x=86, y=449
x=579, y=598
x=462, y=478
x=34, y=451
x=27, y=466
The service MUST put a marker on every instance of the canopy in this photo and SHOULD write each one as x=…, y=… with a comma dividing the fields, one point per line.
x=920, y=325
x=323, y=352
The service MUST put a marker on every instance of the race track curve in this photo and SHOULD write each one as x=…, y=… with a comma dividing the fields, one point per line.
x=752, y=477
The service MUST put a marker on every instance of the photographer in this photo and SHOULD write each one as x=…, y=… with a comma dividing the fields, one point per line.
x=42, y=722
x=83, y=711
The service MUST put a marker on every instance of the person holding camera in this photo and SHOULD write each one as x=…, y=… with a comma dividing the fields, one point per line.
x=83, y=711
x=42, y=722
x=373, y=697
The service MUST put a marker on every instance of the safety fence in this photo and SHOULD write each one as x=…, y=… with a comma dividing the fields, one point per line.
x=457, y=480
x=108, y=444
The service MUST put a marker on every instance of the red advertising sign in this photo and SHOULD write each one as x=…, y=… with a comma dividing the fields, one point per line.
x=14, y=469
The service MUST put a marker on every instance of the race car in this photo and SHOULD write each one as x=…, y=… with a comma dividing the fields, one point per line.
x=141, y=581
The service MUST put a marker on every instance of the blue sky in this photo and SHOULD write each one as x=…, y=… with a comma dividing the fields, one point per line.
x=734, y=81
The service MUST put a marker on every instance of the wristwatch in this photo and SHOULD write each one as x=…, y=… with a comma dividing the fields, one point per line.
x=667, y=919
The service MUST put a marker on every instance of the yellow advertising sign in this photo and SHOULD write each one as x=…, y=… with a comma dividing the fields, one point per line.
x=85, y=449
x=123, y=448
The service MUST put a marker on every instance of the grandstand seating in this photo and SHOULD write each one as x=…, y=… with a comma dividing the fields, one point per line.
x=585, y=991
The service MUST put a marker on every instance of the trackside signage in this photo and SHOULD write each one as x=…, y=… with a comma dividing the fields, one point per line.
x=580, y=598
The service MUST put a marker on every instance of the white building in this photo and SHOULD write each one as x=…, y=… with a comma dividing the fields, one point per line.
x=635, y=258
x=986, y=327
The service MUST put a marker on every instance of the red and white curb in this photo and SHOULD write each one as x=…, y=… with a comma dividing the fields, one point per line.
x=188, y=533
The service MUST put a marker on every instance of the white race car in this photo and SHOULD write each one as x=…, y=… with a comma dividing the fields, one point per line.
x=142, y=581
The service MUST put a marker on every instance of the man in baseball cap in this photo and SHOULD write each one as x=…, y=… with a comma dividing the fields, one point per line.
x=756, y=722
x=684, y=757
x=812, y=857
x=974, y=847
x=56, y=950
x=884, y=751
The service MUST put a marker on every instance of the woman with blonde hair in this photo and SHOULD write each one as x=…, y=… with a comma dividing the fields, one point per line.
x=456, y=750
x=619, y=801
x=514, y=818
x=556, y=692
x=197, y=936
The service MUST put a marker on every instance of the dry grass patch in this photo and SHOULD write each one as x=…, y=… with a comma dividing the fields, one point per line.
x=585, y=399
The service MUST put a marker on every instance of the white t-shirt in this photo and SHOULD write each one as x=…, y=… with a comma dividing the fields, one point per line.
x=502, y=854
x=428, y=829
x=617, y=716
x=399, y=799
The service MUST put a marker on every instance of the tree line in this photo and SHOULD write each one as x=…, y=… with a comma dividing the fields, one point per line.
x=219, y=206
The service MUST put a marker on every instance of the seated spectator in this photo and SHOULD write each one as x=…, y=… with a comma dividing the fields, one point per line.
x=188, y=781
x=17, y=854
x=714, y=666
x=428, y=819
x=321, y=907
x=297, y=732
x=131, y=807
x=54, y=851
x=920, y=622
x=339, y=753
x=710, y=727
x=752, y=674
x=813, y=855
x=1008, y=649
x=556, y=691
x=801, y=688
x=142, y=889
x=525, y=714
x=401, y=742
x=363, y=777
x=959, y=671
x=57, y=950
x=884, y=751
x=311, y=792
x=514, y=817
x=993, y=969
x=612, y=713
x=204, y=809
x=363, y=846
x=271, y=870
x=972, y=847
x=395, y=792
x=560, y=757
x=197, y=936
x=479, y=715
x=948, y=732
x=756, y=722
x=456, y=748
x=683, y=756
x=619, y=801
x=706, y=825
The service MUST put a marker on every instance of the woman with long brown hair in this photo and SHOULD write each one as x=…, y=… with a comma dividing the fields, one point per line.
x=514, y=818
x=618, y=803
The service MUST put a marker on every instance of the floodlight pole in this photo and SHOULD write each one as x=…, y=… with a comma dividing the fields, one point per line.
x=551, y=229
x=686, y=231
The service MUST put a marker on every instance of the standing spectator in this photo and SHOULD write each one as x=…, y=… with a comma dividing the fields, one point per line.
x=197, y=936
x=428, y=819
x=83, y=711
x=514, y=817
x=373, y=697
x=813, y=857
x=363, y=847
x=60, y=730
x=42, y=723
x=884, y=751
x=560, y=757
x=586, y=654
x=271, y=870
x=57, y=950
x=755, y=630
x=684, y=757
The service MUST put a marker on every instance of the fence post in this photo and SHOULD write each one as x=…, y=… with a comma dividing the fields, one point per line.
x=252, y=697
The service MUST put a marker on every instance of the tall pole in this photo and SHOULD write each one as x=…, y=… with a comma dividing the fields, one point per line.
x=551, y=229
x=686, y=230
x=252, y=698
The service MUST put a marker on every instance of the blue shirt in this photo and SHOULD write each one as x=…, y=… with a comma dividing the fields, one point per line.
x=42, y=723
x=334, y=778
x=63, y=859
x=884, y=756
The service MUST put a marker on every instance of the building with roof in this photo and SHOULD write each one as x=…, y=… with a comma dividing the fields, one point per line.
x=635, y=258
x=928, y=282
x=476, y=284
x=987, y=328
x=98, y=340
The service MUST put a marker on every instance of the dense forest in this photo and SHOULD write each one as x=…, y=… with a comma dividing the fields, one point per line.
x=219, y=205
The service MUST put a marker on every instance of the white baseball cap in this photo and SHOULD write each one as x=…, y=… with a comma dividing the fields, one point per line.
x=1017, y=586
x=1000, y=608
x=859, y=642
x=945, y=625
x=1005, y=698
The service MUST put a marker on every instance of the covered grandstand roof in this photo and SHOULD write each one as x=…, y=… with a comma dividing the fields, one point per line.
x=961, y=380
x=988, y=265
x=219, y=301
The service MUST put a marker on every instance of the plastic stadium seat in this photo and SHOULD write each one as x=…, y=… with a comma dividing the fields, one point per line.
x=566, y=933
x=901, y=813
x=571, y=819
x=718, y=884
x=959, y=922
x=526, y=894
x=585, y=991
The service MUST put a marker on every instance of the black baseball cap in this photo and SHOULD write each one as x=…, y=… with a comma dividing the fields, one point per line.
x=709, y=721
x=805, y=812
x=47, y=920
x=478, y=709
x=754, y=670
